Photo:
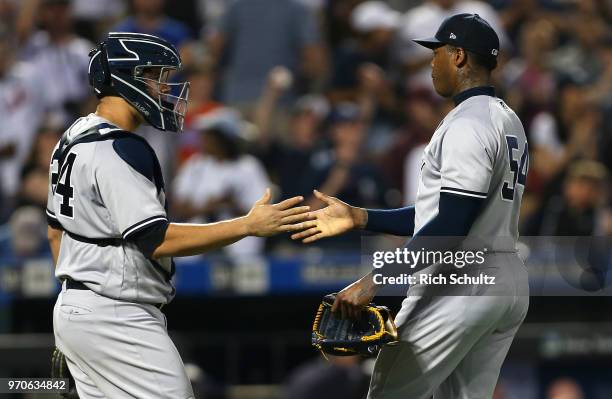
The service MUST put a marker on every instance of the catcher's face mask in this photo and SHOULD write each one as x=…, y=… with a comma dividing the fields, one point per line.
x=172, y=98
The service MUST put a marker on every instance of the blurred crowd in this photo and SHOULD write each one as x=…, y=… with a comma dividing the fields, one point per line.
x=304, y=94
x=348, y=377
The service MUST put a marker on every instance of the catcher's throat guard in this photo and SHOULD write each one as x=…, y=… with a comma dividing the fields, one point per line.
x=345, y=337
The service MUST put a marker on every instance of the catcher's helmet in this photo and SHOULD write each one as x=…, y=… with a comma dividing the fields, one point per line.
x=121, y=66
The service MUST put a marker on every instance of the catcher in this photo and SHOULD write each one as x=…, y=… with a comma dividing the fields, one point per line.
x=109, y=232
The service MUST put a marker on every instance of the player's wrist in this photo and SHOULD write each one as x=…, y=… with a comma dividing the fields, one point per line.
x=245, y=226
x=359, y=217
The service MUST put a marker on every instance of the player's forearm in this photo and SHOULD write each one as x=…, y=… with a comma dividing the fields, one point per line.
x=399, y=222
x=193, y=239
x=55, y=239
x=368, y=287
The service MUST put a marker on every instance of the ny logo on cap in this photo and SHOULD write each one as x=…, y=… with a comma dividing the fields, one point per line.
x=494, y=52
x=452, y=36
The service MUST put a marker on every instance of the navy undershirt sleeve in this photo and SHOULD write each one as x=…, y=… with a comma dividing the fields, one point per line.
x=456, y=215
x=399, y=222
x=148, y=239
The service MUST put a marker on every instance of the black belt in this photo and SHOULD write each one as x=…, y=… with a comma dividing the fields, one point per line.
x=77, y=285
x=102, y=242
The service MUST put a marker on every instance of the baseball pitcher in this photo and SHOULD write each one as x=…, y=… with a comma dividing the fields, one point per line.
x=453, y=340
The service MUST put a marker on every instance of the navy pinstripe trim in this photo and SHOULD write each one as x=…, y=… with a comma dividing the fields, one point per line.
x=50, y=214
x=52, y=220
x=460, y=191
x=142, y=224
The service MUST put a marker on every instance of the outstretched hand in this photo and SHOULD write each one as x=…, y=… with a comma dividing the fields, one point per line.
x=265, y=219
x=336, y=218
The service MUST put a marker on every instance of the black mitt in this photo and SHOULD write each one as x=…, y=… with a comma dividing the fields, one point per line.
x=59, y=369
x=344, y=337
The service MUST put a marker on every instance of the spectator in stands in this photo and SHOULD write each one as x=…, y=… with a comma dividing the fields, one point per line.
x=579, y=210
x=571, y=131
x=35, y=172
x=201, y=102
x=221, y=180
x=210, y=13
x=268, y=115
x=340, y=377
x=343, y=170
x=288, y=156
x=599, y=95
x=559, y=79
x=26, y=264
x=529, y=79
x=94, y=18
x=148, y=17
x=257, y=35
x=375, y=24
x=60, y=58
x=8, y=13
x=337, y=22
x=21, y=111
x=584, y=27
x=201, y=81
x=564, y=388
x=402, y=163
x=28, y=238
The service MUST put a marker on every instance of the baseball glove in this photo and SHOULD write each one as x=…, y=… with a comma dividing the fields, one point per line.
x=59, y=369
x=344, y=337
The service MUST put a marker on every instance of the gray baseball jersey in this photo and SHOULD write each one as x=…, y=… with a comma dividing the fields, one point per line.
x=106, y=191
x=454, y=341
x=478, y=150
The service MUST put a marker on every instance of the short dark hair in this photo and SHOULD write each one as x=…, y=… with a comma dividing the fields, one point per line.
x=483, y=61
x=487, y=62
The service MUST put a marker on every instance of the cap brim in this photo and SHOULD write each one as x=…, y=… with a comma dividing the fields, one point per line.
x=431, y=42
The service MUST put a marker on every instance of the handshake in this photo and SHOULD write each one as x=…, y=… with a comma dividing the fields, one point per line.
x=337, y=217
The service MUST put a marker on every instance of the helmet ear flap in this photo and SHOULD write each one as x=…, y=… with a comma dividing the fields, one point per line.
x=105, y=67
x=99, y=72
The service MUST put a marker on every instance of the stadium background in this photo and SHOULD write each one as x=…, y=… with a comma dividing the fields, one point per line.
x=301, y=95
